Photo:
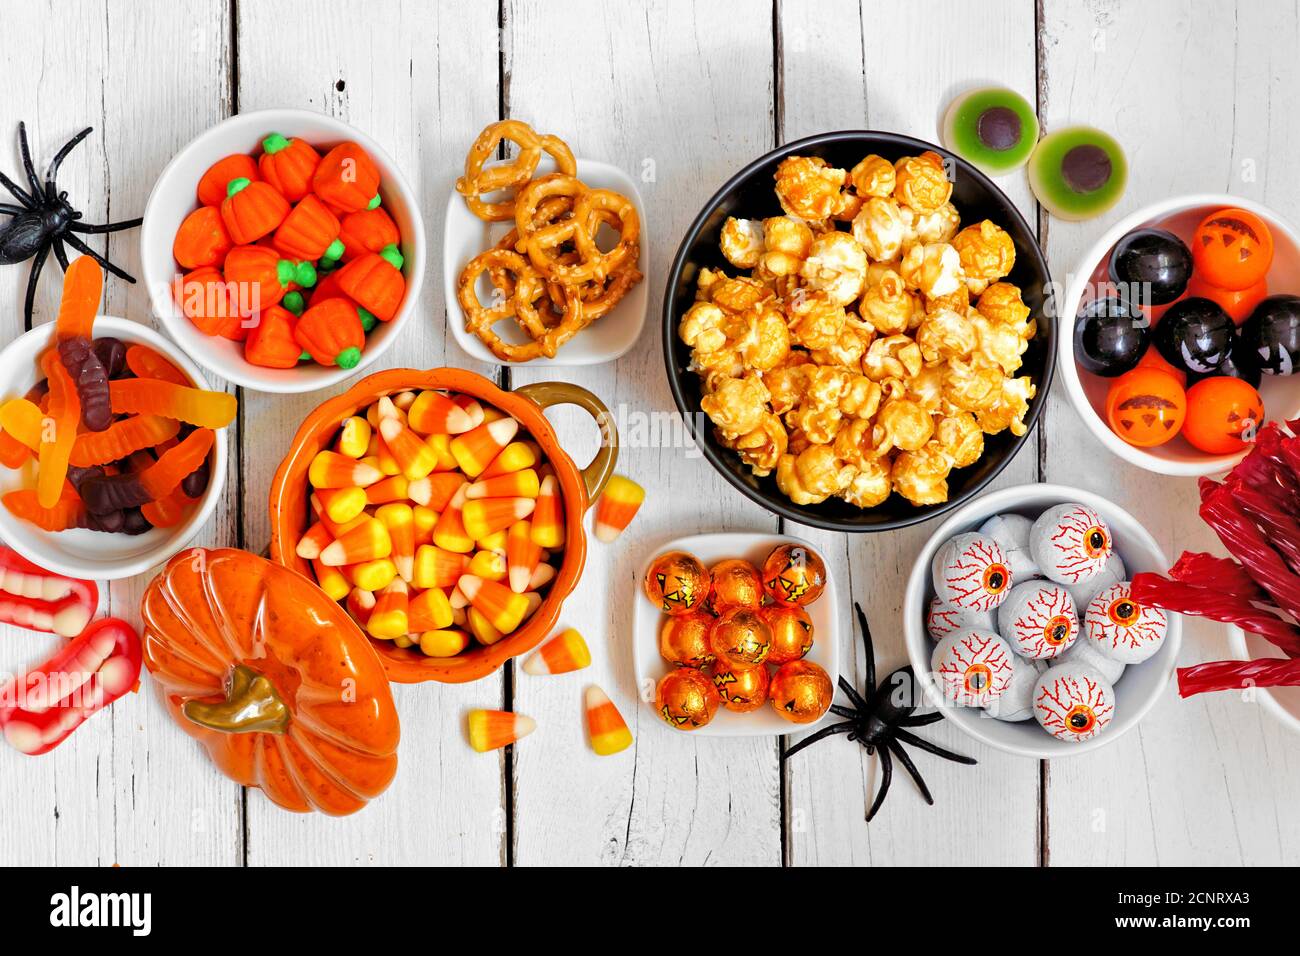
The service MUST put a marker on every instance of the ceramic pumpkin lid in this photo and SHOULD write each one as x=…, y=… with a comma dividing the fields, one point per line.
x=273, y=678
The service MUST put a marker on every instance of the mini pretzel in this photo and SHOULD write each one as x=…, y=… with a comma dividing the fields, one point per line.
x=518, y=305
x=591, y=208
x=511, y=174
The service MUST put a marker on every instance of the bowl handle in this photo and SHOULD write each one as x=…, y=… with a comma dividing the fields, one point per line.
x=546, y=394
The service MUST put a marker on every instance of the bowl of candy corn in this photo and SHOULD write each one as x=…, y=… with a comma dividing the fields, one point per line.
x=110, y=471
x=283, y=250
x=443, y=513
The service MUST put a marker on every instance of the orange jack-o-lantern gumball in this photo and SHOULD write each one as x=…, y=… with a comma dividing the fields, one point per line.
x=684, y=639
x=794, y=574
x=677, y=583
x=1223, y=415
x=686, y=698
x=1146, y=407
x=1232, y=249
x=792, y=633
x=1152, y=358
x=735, y=584
x=742, y=689
x=1238, y=303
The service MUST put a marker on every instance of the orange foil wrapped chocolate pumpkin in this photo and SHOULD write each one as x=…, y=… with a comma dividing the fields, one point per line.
x=273, y=678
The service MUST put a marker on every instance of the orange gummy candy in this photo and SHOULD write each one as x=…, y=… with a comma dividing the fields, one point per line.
x=151, y=396
x=82, y=284
x=150, y=363
x=121, y=438
x=161, y=478
x=65, y=411
x=66, y=513
x=167, y=511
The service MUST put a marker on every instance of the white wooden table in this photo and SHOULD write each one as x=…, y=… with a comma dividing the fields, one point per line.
x=682, y=93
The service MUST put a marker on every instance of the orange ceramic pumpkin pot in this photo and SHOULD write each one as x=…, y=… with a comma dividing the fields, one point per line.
x=273, y=678
x=578, y=488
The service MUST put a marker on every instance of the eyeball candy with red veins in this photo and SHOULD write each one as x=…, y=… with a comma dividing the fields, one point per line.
x=1017, y=701
x=1038, y=619
x=1072, y=702
x=1083, y=653
x=944, y=619
x=972, y=667
x=1070, y=543
x=1085, y=591
x=970, y=572
x=1011, y=531
x=1122, y=629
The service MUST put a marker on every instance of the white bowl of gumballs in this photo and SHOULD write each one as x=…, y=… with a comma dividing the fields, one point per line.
x=1020, y=624
x=1186, y=333
x=738, y=635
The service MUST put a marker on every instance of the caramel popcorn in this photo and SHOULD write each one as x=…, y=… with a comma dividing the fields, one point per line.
x=873, y=343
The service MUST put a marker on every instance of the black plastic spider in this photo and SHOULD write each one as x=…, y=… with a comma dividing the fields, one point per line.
x=46, y=220
x=880, y=720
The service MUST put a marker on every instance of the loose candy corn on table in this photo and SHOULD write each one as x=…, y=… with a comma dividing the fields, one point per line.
x=680, y=96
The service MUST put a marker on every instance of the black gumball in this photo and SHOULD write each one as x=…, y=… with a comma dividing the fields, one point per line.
x=1241, y=363
x=1195, y=335
x=1272, y=334
x=1109, y=338
x=1156, y=265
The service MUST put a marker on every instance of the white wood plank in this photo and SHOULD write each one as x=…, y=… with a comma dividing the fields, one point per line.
x=1209, y=780
x=109, y=794
x=420, y=79
x=846, y=66
x=684, y=90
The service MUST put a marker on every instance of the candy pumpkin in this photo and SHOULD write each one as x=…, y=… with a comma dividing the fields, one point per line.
x=262, y=278
x=214, y=183
x=288, y=165
x=208, y=301
x=252, y=210
x=310, y=231
x=332, y=333
x=271, y=343
x=347, y=179
x=370, y=230
x=201, y=240
x=374, y=283
x=273, y=678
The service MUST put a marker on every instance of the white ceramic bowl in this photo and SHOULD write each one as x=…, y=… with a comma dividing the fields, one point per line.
x=92, y=554
x=1282, y=702
x=1135, y=692
x=605, y=340
x=647, y=620
x=173, y=199
x=1180, y=215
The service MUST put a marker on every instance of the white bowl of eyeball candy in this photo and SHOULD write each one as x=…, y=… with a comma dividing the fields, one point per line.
x=1019, y=624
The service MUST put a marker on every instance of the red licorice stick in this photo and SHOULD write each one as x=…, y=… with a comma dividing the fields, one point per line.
x=1280, y=528
x=1226, y=574
x=1217, y=605
x=1247, y=544
x=1237, y=675
x=39, y=709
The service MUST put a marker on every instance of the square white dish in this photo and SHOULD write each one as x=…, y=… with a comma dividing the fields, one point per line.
x=605, y=340
x=647, y=619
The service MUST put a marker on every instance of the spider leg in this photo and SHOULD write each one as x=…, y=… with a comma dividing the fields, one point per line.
x=32, y=178
x=59, y=157
x=842, y=711
x=843, y=728
x=910, y=767
x=37, y=262
x=915, y=741
x=91, y=228
x=870, y=646
x=923, y=720
x=61, y=254
x=86, y=250
x=886, y=776
x=853, y=695
x=10, y=209
x=17, y=192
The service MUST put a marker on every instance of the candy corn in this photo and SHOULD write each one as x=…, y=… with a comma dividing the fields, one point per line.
x=331, y=580
x=608, y=730
x=495, y=542
x=472, y=408
x=503, y=608
x=342, y=504
x=488, y=565
x=482, y=628
x=425, y=519
x=335, y=529
x=617, y=507
x=522, y=556
x=372, y=575
x=436, y=491
x=443, y=643
x=313, y=542
x=493, y=729
x=433, y=413
x=449, y=533
x=429, y=611
x=404, y=400
x=329, y=469
x=516, y=456
x=354, y=437
x=548, y=517
x=441, y=445
x=485, y=516
x=475, y=449
x=360, y=603
x=436, y=568
x=389, y=619
x=564, y=652
x=516, y=484
x=381, y=457
x=413, y=456
x=543, y=575
x=400, y=522
x=366, y=541
x=392, y=488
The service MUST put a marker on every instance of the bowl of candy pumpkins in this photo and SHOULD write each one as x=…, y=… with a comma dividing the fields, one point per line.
x=283, y=250
x=1186, y=332
x=442, y=513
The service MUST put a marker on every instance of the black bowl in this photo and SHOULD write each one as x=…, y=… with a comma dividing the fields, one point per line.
x=750, y=195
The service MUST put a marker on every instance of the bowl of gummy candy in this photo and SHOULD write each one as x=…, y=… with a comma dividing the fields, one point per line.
x=283, y=250
x=1186, y=332
x=1019, y=622
x=113, y=448
x=442, y=512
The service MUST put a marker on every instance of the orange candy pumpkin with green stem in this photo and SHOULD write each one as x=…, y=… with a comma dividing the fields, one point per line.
x=251, y=210
x=273, y=678
x=214, y=183
x=271, y=343
x=310, y=231
x=261, y=277
x=208, y=301
x=375, y=282
x=332, y=333
x=370, y=230
x=347, y=179
x=202, y=239
x=288, y=165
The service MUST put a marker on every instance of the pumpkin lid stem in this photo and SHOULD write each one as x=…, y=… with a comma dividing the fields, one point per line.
x=252, y=705
x=274, y=143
